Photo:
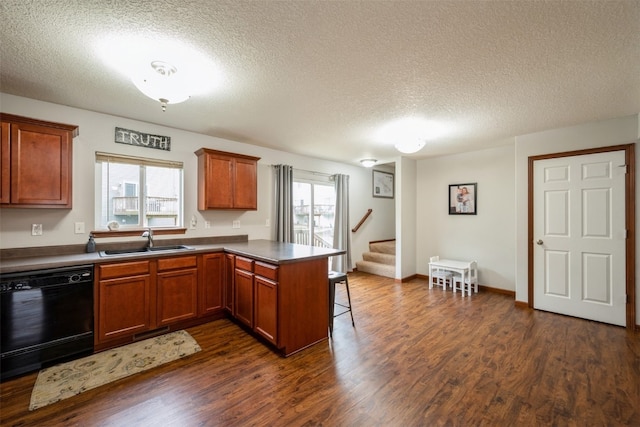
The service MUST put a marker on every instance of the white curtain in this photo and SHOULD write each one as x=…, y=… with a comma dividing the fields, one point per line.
x=341, y=229
x=284, y=203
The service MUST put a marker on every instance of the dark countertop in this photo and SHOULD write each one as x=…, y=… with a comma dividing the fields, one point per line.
x=279, y=253
x=261, y=250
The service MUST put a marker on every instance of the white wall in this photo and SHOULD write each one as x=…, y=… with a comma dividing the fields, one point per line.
x=382, y=220
x=623, y=130
x=489, y=236
x=406, y=205
x=96, y=133
x=496, y=237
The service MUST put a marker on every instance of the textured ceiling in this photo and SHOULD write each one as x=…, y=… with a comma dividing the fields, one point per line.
x=321, y=78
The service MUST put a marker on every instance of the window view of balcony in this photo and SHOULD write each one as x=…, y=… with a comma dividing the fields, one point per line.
x=154, y=206
x=314, y=211
x=141, y=196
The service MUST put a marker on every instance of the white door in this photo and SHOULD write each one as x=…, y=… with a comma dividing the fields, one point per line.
x=579, y=234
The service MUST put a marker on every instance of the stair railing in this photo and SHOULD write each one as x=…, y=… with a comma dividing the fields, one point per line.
x=364, y=218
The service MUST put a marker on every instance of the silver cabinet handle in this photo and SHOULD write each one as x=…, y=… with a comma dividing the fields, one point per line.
x=539, y=242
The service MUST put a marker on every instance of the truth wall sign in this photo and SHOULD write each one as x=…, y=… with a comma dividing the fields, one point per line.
x=141, y=139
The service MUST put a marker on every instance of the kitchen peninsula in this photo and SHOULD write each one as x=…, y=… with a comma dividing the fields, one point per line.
x=276, y=291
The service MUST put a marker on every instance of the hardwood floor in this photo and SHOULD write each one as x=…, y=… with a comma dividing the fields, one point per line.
x=417, y=357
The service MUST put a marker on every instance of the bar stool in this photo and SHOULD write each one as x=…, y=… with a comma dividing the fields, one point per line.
x=338, y=277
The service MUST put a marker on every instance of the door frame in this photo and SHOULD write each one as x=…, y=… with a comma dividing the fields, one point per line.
x=630, y=222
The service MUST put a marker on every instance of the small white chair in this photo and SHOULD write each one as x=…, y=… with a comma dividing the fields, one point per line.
x=470, y=280
x=440, y=276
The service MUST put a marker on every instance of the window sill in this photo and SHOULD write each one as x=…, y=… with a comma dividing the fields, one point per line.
x=137, y=232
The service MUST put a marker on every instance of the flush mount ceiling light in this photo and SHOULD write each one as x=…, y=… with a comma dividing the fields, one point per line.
x=165, y=69
x=161, y=83
x=367, y=163
x=410, y=146
x=410, y=134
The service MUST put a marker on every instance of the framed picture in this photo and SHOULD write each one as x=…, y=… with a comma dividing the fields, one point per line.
x=463, y=199
x=383, y=184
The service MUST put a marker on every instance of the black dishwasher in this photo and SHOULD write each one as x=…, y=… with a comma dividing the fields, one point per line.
x=46, y=317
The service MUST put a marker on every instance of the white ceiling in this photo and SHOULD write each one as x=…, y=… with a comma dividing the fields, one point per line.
x=321, y=78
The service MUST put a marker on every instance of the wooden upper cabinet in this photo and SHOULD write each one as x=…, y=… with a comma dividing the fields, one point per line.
x=217, y=185
x=5, y=157
x=246, y=189
x=36, y=163
x=227, y=180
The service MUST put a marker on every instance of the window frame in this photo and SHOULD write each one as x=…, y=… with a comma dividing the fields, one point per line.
x=314, y=181
x=142, y=194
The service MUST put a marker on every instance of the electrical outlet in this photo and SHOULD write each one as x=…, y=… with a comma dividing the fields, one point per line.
x=236, y=224
x=36, y=229
x=207, y=224
x=194, y=222
x=79, y=227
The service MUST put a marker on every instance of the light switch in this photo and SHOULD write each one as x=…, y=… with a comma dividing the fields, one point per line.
x=79, y=227
x=36, y=229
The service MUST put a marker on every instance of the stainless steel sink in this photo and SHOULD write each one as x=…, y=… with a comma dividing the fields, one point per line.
x=140, y=251
x=169, y=248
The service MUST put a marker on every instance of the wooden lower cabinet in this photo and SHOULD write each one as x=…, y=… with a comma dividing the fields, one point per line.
x=266, y=309
x=286, y=304
x=177, y=290
x=212, y=275
x=243, y=279
x=256, y=297
x=155, y=295
x=228, y=283
x=303, y=304
x=124, y=302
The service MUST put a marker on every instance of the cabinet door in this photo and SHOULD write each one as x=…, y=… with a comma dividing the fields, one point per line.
x=229, y=276
x=246, y=184
x=5, y=158
x=227, y=180
x=40, y=166
x=212, y=283
x=266, y=309
x=219, y=182
x=177, y=296
x=244, y=297
x=123, y=307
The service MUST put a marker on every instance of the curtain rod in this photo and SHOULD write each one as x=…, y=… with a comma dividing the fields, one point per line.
x=329, y=175
x=314, y=172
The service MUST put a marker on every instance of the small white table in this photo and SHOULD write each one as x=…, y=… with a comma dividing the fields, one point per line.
x=461, y=267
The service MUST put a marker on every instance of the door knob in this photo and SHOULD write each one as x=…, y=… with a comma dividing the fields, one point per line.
x=539, y=242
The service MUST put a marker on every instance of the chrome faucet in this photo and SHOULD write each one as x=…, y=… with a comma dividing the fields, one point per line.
x=149, y=235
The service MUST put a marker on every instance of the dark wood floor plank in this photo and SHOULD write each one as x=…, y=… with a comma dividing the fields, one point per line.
x=416, y=357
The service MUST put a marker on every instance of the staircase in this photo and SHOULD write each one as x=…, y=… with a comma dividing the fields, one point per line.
x=380, y=260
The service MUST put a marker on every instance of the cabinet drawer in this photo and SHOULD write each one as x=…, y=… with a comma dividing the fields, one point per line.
x=123, y=269
x=177, y=262
x=244, y=263
x=266, y=270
